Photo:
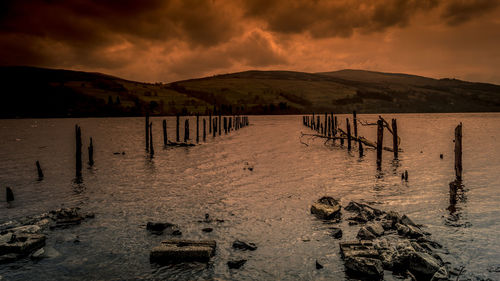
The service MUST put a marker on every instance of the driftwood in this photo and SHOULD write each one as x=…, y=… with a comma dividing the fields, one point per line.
x=171, y=143
x=386, y=124
x=343, y=136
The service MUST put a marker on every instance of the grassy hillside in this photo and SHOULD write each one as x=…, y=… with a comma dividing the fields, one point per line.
x=38, y=92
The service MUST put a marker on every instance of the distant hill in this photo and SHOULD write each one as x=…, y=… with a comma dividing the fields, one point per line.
x=40, y=92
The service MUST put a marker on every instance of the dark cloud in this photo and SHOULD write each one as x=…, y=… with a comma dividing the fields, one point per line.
x=460, y=11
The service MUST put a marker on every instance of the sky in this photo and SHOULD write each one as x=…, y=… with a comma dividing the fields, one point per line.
x=165, y=41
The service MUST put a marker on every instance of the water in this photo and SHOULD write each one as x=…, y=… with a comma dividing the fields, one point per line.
x=268, y=206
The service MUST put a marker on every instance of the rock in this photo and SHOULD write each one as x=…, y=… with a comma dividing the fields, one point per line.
x=368, y=212
x=366, y=267
x=158, y=226
x=38, y=254
x=23, y=244
x=44, y=223
x=5, y=238
x=393, y=216
x=236, y=264
x=176, y=232
x=402, y=229
x=407, y=221
x=318, y=265
x=365, y=234
x=375, y=228
x=326, y=208
x=7, y=258
x=244, y=245
x=361, y=248
x=404, y=251
x=176, y=250
x=207, y=229
x=441, y=275
x=90, y=216
x=387, y=224
x=26, y=229
x=336, y=232
x=423, y=264
x=360, y=218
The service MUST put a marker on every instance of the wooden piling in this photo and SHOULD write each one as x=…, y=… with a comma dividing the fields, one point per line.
x=151, y=149
x=458, y=152
x=204, y=129
x=214, y=126
x=39, y=169
x=78, y=150
x=360, y=148
x=395, y=145
x=146, y=125
x=210, y=123
x=220, y=124
x=380, y=139
x=317, y=123
x=177, y=139
x=225, y=125
x=197, y=128
x=324, y=125
x=313, y=122
x=186, y=130
x=355, y=123
x=91, y=153
x=348, y=125
x=9, y=195
x=335, y=124
x=230, y=123
x=165, y=137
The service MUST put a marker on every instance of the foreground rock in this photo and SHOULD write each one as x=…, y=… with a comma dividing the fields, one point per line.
x=236, y=264
x=159, y=228
x=244, y=245
x=368, y=267
x=326, y=208
x=178, y=250
x=21, y=245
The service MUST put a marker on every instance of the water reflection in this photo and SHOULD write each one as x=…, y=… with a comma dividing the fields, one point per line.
x=458, y=198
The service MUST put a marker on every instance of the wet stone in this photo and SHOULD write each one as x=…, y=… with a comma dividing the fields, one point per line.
x=326, y=208
x=365, y=234
x=177, y=250
x=423, y=264
x=244, y=245
x=236, y=264
x=336, y=232
x=22, y=244
x=207, y=229
x=367, y=267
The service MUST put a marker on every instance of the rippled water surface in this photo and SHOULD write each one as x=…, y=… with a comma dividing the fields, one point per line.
x=268, y=206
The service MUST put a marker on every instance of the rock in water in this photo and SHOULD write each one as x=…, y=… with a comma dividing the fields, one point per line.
x=177, y=250
x=441, y=275
x=244, y=245
x=423, y=264
x=336, y=232
x=318, y=265
x=366, y=267
x=236, y=264
x=326, y=208
x=9, y=194
x=207, y=229
x=376, y=228
x=22, y=244
x=158, y=226
x=365, y=234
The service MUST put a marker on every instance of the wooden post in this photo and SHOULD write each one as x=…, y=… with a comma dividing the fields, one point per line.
x=177, y=128
x=209, y=123
x=78, y=156
x=348, y=134
x=313, y=122
x=91, y=153
x=186, y=130
x=214, y=126
x=324, y=126
x=165, y=137
x=151, y=149
x=39, y=169
x=329, y=131
x=225, y=125
x=380, y=139
x=331, y=121
x=321, y=128
x=355, y=123
x=395, y=145
x=146, y=125
x=204, y=129
x=197, y=128
x=335, y=124
x=9, y=195
x=317, y=123
x=458, y=152
x=230, y=123
x=220, y=124
x=360, y=148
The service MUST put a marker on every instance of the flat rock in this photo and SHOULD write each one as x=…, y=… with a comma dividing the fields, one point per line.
x=423, y=264
x=178, y=250
x=158, y=226
x=441, y=275
x=236, y=264
x=26, y=229
x=244, y=245
x=361, y=248
x=8, y=258
x=365, y=234
x=326, y=208
x=336, y=232
x=22, y=244
x=367, y=267
x=376, y=228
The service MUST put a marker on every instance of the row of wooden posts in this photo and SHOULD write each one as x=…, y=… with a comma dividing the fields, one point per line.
x=216, y=125
x=329, y=128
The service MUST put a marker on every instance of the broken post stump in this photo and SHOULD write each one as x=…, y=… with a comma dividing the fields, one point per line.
x=165, y=137
x=458, y=152
x=146, y=125
x=177, y=250
x=348, y=134
x=214, y=126
x=360, y=148
x=380, y=138
x=225, y=125
x=395, y=145
x=204, y=129
x=355, y=123
x=9, y=195
x=210, y=123
x=91, y=153
x=39, y=169
x=197, y=128
x=186, y=130
x=151, y=149
x=177, y=139
x=220, y=124
x=78, y=151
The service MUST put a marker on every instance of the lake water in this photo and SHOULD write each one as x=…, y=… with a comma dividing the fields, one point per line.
x=268, y=206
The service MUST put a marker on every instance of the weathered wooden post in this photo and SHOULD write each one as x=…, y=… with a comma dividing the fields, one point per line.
x=458, y=152
x=380, y=139
x=197, y=128
x=91, y=153
x=313, y=122
x=39, y=169
x=78, y=156
x=355, y=123
x=225, y=125
x=324, y=126
x=146, y=125
x=220, y=124
x=204, y=129
x=395, y=145
x=317, y=123
x=186, y=130
x=151, y=149
x=321, y=128
x=230, y=123
x=165, y=137
x=335, y=124
x=360, y=148
x=209, y=123
x=177, y=139
x=214, y=126
x=348, y=125
x=9, y=195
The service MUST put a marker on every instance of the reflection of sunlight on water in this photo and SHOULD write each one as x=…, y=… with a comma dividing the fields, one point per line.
x=267, y=204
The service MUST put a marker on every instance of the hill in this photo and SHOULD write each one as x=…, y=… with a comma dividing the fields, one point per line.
x=39, y=92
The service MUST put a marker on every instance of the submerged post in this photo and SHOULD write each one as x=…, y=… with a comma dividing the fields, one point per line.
x=458, y=152
x=225, y=125
x=165, y=137
x=355, y=123
x=151, y=149
x=395, y=145
x=214, y=126
x=186, y=130
x=177, y=128
x=209, y=122
x=220, y=124
x=146, y=125
x=197, y=128
x=91, y=153
x=360, y=148
x=204, y=129
x=78, y=156
x=348, y=134
x=324, y=126
x=39, y=169
x=380, y=139
x=9, y=195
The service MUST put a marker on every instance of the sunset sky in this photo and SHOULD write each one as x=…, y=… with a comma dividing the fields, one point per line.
x=165, y=41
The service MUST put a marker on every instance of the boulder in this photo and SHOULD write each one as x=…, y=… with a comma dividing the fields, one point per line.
x=177, y=250
x=26, y=229
x=366, y=267
x=326, y=208
x=407, y=221
x=423, y=264
x=376, y=228
x=361, y=248
x=441, y=275
x=236, y=264
x=158, y=226
x=22, y=244
x=244, y=245
x=336, y=232
x=365, y=234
